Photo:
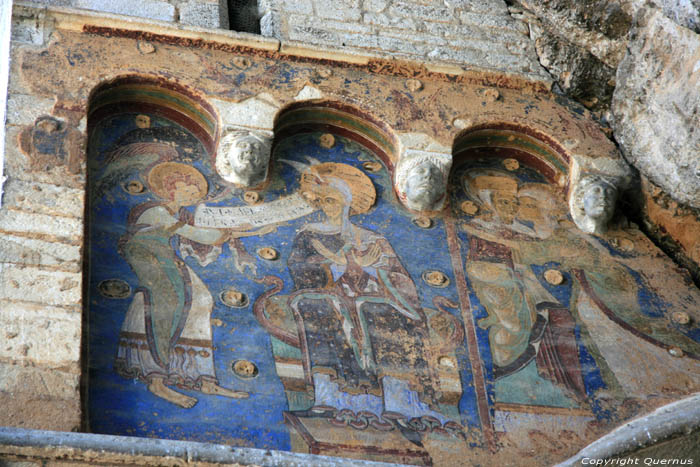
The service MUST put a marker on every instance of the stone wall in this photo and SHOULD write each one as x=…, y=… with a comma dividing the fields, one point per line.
x=201, y=13
x=473, y=34
x=41, y=234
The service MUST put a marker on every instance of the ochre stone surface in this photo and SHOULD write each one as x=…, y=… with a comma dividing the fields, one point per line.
x=672, y=225
x=29, y=410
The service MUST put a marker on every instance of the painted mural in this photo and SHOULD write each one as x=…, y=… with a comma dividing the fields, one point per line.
x=314, y=313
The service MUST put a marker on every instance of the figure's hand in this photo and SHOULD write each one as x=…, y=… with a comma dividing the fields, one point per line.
x=326, y=253
x=369, y=258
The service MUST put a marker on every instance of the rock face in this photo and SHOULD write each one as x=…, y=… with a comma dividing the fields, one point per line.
x=656, y=102
x=580, y=43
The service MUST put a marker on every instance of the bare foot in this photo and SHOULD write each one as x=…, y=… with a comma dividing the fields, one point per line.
x=209, y=387
x=157, y=387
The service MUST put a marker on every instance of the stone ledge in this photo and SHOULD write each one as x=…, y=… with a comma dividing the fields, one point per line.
x=677, y=418
x=123, y=450
x=76, y=20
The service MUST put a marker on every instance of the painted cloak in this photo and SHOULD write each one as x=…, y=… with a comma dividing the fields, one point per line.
x=167, y=330
x=361, y=323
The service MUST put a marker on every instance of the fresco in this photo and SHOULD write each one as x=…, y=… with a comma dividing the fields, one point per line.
x=313, y=313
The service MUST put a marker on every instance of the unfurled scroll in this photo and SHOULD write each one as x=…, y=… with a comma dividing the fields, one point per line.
x=258, y=215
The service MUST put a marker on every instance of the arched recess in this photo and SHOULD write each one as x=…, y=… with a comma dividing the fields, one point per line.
x=559, y=308
x=509, y=140
x=136, y=125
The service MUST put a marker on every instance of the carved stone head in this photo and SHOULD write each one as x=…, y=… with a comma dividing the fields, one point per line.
x=421, y=180
x=243, y=157
x=593, y=203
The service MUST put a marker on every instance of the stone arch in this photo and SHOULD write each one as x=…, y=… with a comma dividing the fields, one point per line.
x=169, y=99
x=510, y=140
x=342, y=119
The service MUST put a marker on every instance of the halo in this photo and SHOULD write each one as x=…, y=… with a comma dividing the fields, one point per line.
x=161, y=172
x=363, y=191
x=474, y=181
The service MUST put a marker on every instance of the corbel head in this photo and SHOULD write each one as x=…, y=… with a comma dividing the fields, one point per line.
x=421, y=179
x=243, y=157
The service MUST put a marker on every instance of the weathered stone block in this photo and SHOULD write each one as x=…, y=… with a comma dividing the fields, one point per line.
x=151, y=9
x=374, y=6
x=296, y=6
x=24, y=109
x=475, y=31
x=339, y=26
x=504, y=61
x=40, y=286
x=352, y=28
x=43, y=382
x=461, y=55
x=426, y=12
x=30, y=223
x=479, y=6
x=32, y=252
x=256, y=112
x=44, y=198
x=27, y=26
x=493, y=21
x=361, y=40
x=270, y=25
x=45, y=335
x=390, y=21
x=403, y=46
x=427, y=39
x=656, y=105
x=345, y=10
x=204, y=15
x=314, y=35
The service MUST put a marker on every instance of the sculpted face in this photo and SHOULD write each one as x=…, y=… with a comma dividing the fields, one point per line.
x=246, y=156
x=424, y=185
x=599, y=201
x=244, y=160
x=592, y=203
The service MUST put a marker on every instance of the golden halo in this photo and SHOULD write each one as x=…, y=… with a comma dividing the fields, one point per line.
x=363, y=191
x=162, y=175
